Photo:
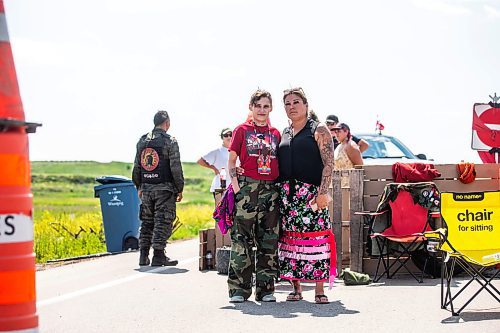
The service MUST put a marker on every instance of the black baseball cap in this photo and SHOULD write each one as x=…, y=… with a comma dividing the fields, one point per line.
x=332, y=119
x=224, y=131
x=341, y=126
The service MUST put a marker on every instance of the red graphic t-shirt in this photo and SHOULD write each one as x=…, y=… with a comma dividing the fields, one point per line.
x=257, y=147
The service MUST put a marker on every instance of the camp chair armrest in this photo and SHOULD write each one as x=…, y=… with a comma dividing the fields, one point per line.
x=438, y=233
x=371, y=213
x=369, y=217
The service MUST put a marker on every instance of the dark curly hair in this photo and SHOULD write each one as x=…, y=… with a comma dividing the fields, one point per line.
x=260, y=94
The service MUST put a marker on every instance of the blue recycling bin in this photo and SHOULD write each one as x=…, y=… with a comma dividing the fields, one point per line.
x=120, y=212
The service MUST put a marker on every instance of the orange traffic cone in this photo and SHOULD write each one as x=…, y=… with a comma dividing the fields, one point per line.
x=17, y=260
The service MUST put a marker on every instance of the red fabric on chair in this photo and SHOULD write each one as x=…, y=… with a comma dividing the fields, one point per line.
x=413, y=172
x=408, y=219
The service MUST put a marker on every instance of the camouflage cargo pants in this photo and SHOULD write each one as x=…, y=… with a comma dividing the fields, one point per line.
x=157, y=214
x=255, y=224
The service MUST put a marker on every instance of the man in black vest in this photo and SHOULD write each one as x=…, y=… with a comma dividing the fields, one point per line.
x=159, y=179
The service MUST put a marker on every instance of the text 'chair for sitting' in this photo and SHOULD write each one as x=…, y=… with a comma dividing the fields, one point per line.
x=407, y=207
x=471, y=240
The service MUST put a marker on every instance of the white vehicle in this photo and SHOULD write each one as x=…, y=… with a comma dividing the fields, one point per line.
x=386, y=149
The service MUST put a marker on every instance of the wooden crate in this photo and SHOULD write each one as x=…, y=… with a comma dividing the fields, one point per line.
x=207, y=243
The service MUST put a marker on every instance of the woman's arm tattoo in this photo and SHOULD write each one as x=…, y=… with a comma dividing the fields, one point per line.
x=232, y=173
x=325, y=144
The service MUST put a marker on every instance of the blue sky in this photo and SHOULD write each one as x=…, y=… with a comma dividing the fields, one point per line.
x=94, y=72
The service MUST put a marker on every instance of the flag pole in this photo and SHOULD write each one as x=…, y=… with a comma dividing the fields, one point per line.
x=496, y=150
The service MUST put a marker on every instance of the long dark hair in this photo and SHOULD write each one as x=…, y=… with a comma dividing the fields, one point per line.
x=344, y=126
x=312, y=115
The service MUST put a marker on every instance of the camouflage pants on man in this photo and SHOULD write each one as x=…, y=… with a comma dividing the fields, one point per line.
x=255, y=224
x=157, y=215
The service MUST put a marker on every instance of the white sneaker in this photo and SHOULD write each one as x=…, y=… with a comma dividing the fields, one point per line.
x=269, y=298
x=237, y=299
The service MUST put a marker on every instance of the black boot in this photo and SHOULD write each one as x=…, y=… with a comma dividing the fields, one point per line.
x=160, y=259
x=144, y=258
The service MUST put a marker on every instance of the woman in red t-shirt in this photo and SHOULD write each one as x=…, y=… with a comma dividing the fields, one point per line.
x=256, y=218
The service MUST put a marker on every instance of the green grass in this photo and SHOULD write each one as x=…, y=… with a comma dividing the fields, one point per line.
x=68, y=220
x=83, y=168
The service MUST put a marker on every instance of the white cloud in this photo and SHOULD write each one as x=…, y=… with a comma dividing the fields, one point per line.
x=200, y=60
x=443, y=6
x=155, y=6
x=461, y=7
x=491, y=11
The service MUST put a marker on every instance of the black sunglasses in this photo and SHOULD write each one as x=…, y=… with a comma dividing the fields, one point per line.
x=227, y=135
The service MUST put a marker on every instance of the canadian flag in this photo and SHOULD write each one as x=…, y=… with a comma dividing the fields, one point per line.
x=379, y=126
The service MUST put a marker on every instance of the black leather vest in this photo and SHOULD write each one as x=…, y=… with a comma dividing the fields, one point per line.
x=155, y=168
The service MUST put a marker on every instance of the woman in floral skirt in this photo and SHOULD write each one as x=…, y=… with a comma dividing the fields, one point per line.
x=307, y=245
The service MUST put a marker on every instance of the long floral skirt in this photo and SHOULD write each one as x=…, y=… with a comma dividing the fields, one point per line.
x=306, y=248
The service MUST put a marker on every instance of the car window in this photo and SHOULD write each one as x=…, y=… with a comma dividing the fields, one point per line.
x=383, y=147
x=391, y=150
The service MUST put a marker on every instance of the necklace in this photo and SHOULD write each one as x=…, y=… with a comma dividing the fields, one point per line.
x=263, y=160
x=293, y=133
x=261, y=143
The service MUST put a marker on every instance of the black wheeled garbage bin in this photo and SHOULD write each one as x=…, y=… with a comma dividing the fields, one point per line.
x=120, y=212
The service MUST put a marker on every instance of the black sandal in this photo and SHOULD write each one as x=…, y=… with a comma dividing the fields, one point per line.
x=294, y=296
x=318, y=299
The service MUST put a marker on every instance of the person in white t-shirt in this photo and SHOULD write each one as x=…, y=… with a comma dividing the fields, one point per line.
x=217, y=159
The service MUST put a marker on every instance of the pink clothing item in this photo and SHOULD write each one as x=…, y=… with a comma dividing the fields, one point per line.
x=316, y=239
x=295, y=248
x=225, y=210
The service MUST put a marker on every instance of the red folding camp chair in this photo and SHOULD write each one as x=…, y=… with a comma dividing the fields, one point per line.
x=407, y=208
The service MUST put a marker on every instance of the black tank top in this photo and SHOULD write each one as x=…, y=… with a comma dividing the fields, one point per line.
x=299, y=156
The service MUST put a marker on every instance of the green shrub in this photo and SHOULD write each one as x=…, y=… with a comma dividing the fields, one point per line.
x=68, y=220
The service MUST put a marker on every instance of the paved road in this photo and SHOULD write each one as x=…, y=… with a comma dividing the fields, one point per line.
x=111, y=294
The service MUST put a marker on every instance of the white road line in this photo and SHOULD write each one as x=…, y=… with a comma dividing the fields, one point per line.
x=109, y=284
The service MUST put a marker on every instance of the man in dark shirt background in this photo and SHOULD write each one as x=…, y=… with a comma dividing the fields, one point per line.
x=332, y=121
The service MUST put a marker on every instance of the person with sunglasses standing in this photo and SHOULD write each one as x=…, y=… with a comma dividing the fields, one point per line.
x=331, y=123
x=306, y=248
x=256, y=200
x=217, y=159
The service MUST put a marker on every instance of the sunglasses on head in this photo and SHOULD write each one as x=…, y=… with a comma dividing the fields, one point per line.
x=227, y=135
x=294, y=91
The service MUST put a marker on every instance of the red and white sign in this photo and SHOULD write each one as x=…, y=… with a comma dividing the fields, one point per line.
x=485, y=127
